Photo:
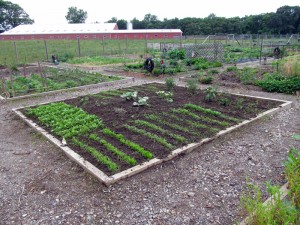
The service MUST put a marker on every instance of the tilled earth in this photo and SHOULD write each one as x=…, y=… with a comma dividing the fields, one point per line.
x=40, y=185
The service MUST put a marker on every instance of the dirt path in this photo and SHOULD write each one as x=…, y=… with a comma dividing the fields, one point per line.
x=40, y=185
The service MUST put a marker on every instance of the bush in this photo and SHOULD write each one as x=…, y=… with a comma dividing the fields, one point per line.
x=176, y=54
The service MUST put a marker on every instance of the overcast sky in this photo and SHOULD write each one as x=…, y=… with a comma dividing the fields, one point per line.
x=54, y=11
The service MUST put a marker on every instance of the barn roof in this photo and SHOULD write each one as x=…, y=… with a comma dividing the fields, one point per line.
x=62, y=29
x=80, y=29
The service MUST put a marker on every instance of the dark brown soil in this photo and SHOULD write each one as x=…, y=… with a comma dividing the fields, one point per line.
x=233, y=80
x=116, y=111
x=25, y=70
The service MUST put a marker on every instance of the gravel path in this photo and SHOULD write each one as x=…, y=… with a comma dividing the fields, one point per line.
x=40, y=185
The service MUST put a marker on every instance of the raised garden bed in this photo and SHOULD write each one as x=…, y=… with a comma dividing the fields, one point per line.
x=113, y=139
x=37, y=80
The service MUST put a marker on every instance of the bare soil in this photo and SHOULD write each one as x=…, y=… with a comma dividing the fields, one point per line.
x=40, y=185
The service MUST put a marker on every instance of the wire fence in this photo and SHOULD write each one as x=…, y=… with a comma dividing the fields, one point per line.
x=25, y=52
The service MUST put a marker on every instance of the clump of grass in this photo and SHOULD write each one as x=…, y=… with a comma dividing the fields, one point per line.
x=291, y=66
x=278, y=210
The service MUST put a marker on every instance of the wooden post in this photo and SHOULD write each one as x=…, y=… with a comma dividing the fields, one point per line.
x=78, y=46
x=46, y=50
x=24, y=70
x=103, y=44
x=43, y=76
x=261, y=47
x=11, y=82
x=16, y=53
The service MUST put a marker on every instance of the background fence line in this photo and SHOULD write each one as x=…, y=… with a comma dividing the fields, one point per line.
x=24, y=52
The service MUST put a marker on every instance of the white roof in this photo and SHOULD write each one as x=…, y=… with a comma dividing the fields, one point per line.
x=133, y=31
x=61, y=29
x=79, y=28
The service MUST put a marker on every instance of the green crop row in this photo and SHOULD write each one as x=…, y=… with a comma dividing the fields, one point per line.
x=202, y=118
x=130, y=160
x=192, y=124
x=150, y=135
x=130, y=144
x=159, y=129
x=97, y=155
x=174, y=126
x=210, y=112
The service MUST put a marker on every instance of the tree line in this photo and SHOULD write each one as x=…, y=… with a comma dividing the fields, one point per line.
x=286, y=20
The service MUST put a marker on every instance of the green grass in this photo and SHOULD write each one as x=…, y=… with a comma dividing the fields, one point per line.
x=99, y=60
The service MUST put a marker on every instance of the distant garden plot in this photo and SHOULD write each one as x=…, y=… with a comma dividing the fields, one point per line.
x=115, y=134
x=32, y=80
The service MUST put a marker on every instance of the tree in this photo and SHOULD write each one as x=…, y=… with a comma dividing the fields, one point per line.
x=12, y=15
x=75, y=15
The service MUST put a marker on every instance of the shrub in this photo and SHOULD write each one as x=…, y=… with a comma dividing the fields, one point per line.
x=176, y=54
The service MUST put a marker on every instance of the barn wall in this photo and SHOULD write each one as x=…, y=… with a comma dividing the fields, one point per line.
x=89, y=36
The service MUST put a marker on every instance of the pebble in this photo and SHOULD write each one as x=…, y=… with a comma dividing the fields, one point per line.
x=191, y=194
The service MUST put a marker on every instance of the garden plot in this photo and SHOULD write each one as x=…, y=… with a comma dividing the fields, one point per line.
x=25, y=82
x=118, y=133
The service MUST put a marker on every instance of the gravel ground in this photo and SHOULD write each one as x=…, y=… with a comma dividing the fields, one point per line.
x=40, y=185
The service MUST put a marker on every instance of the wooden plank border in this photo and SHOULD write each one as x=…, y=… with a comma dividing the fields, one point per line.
x=108, y=180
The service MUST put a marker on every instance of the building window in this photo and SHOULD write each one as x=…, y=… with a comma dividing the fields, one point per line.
x=166, y=35
x=155, y=35
x=94, y=36
x=86, y=36
x=51, y=37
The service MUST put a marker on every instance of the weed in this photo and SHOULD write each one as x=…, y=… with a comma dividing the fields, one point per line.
x=278, y=210
x=240, y=104
x=206, y=80
x=210, y=94
x=170, y=83
x=192, y=86
x=224, y=101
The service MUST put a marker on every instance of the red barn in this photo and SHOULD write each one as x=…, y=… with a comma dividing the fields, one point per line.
x=85, y=31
